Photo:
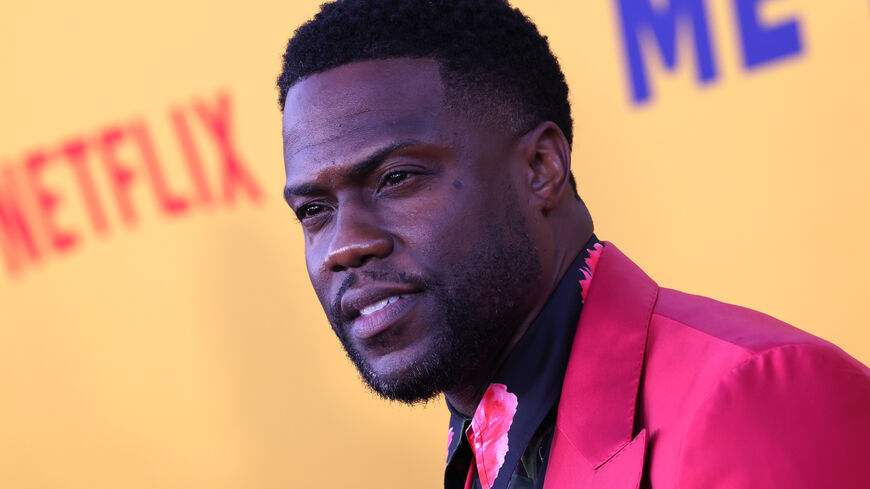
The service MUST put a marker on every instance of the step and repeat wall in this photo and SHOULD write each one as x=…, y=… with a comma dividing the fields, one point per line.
x=157, y=327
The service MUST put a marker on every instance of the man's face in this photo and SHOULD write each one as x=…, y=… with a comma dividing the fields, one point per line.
x=415, y=238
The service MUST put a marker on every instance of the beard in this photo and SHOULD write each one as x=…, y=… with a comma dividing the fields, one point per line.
x=478, y=306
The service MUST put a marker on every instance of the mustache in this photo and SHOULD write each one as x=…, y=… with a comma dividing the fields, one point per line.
x=388, y=276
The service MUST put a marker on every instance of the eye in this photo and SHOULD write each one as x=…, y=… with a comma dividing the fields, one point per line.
x=308, y=211
x=393, y=178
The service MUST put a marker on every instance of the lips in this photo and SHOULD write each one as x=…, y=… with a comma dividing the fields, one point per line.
x=374, y=309
x=369, y=310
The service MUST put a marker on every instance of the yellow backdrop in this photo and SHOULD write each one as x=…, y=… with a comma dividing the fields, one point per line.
x=158, y=329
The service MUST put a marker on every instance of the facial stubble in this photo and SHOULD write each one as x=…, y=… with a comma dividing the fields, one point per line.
x=478, y=308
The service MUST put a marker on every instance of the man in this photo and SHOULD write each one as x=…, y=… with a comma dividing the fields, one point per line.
x=427, y=148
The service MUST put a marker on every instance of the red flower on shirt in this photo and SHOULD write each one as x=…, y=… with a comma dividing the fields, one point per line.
x=488, y=432
x=589, y=269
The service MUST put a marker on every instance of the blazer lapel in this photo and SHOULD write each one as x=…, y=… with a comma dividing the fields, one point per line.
x=594, y=446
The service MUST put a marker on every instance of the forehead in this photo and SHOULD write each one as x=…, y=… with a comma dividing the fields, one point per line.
x=348, y=110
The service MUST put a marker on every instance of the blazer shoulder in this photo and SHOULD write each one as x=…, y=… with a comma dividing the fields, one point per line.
x=729, y=325
x=711, y=364
x=796, y=415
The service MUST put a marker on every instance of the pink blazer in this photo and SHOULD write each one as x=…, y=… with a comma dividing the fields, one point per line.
x=666, y=390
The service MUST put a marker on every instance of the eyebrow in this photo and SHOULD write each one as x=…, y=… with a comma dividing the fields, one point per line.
x=357, y=172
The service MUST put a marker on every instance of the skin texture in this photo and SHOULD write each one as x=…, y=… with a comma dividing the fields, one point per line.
x=400, y=195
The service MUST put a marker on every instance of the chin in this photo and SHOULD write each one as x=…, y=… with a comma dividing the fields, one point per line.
x=407, y=375
x=401, y=363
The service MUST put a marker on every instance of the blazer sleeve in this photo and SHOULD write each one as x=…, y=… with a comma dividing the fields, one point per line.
x=794, y=416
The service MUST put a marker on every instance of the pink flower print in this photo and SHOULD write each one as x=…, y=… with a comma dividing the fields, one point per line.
x=589, y=269
x=488, y=432
x=449, y=440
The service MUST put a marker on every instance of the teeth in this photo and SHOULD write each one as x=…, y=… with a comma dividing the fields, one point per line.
x=380, y=305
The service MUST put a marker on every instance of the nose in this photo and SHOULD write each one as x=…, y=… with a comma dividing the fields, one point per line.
x=357, y=238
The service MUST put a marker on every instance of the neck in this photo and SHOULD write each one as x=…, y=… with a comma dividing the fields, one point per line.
x=571, y=231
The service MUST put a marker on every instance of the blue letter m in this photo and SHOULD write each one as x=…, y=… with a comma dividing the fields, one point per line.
x=639, y=14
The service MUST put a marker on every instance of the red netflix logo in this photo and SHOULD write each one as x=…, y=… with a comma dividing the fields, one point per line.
x=128, y=157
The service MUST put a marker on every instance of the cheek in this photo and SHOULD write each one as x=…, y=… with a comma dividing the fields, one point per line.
x=310, y=265
x=445, y=238
x=317, y=277
x=316, y=250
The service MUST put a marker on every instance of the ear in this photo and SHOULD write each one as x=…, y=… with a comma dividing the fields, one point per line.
x=547, y=165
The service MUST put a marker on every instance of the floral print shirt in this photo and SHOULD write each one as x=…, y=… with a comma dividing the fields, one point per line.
x=509, y=436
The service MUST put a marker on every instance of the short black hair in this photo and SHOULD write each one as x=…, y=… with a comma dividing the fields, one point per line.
x=490, y=54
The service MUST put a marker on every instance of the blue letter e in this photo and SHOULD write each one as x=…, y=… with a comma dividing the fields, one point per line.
x=764, y=44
